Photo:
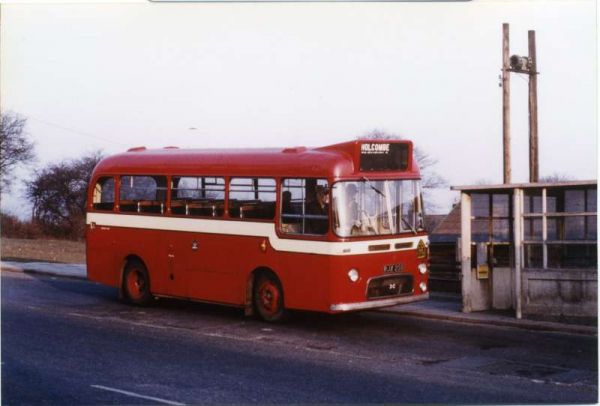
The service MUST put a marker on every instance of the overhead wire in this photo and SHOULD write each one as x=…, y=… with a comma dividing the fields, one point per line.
x=78, y=132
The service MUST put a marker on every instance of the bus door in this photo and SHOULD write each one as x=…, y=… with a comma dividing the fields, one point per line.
x=101, y=243
x=102, y=262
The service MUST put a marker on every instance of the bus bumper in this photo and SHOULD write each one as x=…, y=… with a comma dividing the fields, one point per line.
x=372, y=304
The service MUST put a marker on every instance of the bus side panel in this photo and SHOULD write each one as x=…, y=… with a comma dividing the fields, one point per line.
x=146, y=244
x=215, y=266
x=219, y=270
x=100, y=256
x=304, y=279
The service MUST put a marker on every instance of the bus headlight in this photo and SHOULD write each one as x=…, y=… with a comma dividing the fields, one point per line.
x=353, y=275
x=423, y=268
x=423, y=286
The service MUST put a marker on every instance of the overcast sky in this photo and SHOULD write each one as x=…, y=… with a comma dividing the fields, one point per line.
x=112, y=76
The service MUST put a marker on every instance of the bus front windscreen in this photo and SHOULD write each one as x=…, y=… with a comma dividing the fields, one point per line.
x=377, y=207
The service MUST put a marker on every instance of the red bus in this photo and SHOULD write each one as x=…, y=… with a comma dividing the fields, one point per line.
x=331, y=229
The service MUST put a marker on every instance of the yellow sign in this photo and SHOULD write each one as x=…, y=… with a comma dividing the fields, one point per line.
x=483, y=271
x=421, y=250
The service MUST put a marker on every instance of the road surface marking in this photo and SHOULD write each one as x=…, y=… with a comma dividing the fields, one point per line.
x=136, y=395
x=233, y=337
x=110, y=318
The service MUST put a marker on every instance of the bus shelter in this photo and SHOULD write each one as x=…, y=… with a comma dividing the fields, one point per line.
x=530, y=248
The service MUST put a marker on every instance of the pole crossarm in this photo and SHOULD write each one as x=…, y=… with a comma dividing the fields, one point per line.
x=527, y=72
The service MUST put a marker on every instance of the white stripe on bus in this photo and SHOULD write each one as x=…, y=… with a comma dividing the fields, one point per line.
x=248, y=229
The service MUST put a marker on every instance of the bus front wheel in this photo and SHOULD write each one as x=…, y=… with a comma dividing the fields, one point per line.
x=136, y=283
x=268, y=298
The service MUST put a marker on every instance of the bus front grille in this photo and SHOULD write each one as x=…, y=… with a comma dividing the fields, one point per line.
x=389, y=286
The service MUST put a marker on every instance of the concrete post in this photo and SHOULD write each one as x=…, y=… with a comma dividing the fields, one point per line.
x=544, y=228
x=465, y=235
x=518, y=246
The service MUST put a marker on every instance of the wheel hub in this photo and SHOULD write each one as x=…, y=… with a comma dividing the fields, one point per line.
x=269, y=295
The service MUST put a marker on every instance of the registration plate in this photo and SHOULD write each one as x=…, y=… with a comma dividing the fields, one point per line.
x=393, y=268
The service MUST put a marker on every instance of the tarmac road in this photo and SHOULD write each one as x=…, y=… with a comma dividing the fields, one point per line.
x=67, y=341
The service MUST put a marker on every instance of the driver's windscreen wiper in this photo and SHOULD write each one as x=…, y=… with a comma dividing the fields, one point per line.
x=408, y=224
x=373, y=187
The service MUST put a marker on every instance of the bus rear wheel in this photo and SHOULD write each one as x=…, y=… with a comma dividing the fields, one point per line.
x=136, y=283
x=268, y=298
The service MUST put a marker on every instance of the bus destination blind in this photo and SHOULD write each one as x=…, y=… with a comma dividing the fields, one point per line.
x=383, y=157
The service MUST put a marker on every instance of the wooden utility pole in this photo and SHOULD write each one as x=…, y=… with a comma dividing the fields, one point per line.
x=524, y=65
x=506, y=103
x=534, y=170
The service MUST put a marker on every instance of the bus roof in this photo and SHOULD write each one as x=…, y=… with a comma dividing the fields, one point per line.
x=337, y=161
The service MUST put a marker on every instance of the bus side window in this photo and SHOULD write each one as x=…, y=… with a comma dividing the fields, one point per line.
x=143, y=194
x=252, y=198
x=104, y=194
x=305, y=206
x=198, y=196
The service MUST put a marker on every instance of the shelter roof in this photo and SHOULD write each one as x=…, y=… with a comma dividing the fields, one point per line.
x=488, y=188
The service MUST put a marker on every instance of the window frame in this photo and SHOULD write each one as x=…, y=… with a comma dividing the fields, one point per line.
x=560, y=213
x=491, y=241
x=115, y=203
x=418, y=214
x=228, y=183
x=301, y=234
x=171, y=190
x=164, y=203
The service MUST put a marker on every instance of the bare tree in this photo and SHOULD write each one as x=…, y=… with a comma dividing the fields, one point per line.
x=15, y=147
x=556, y=177
x=58, y=195
x=483, y=182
